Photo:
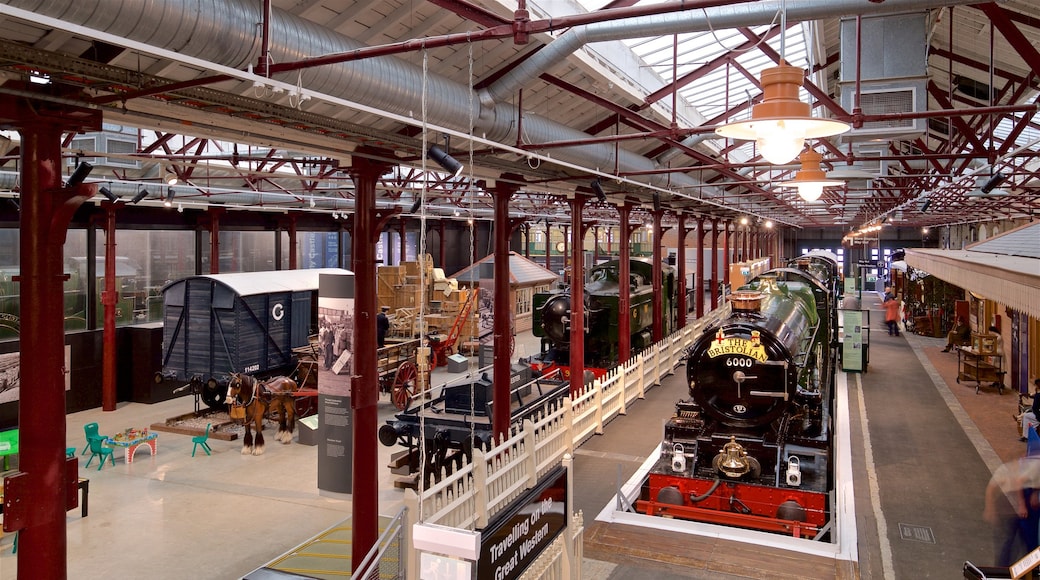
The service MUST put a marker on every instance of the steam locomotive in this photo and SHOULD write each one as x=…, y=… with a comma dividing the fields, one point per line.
x=752, y=445
x=552, y=312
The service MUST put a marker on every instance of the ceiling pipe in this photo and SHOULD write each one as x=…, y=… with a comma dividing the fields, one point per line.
x=224, y=32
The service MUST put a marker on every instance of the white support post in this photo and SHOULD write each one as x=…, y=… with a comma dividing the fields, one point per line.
x=480, y=492
x=597, y=400
x=568, y=419
x=530, y=446
x=621, y=386
x=411, y=501
x=642, y=375
x=569, y=560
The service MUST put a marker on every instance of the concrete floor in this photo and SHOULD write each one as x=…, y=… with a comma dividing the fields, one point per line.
x=224, y=515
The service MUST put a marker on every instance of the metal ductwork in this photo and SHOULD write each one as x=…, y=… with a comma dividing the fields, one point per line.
x=9, y=181
x=227, y=32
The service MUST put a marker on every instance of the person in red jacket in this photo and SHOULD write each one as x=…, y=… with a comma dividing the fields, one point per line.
x=891, y=306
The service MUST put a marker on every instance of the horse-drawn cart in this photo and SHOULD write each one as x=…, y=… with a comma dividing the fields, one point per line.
x=398, y=368
x=396, y=362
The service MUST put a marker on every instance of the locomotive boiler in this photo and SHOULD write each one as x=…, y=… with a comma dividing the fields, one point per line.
x=602, y=312
x=752, y=445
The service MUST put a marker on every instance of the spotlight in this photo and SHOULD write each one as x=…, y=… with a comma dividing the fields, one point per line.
x=180, y=208
x=449, y=163
x=140, y=195
x=171, y=176
x=81, y=173
x=416, y=205
x=169, y=198
x=312, y=202
x=108, y=193
x=657, y=202
x=990, y=184
x=598, y=190
x=924, y=206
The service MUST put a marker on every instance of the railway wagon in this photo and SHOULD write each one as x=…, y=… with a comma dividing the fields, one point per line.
x=249, y=322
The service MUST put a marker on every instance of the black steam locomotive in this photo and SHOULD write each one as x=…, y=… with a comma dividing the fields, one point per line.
x=752, y=445
x=552, y=312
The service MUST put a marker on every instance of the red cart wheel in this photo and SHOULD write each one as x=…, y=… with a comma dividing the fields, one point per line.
x=404, y=384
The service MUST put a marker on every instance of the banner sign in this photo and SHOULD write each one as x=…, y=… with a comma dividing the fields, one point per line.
x=511, y=543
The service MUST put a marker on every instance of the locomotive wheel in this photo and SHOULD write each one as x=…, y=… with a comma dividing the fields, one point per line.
x=404, y=384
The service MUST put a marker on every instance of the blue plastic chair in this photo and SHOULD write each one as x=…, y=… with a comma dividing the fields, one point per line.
x=201, y=440
x=100, y=451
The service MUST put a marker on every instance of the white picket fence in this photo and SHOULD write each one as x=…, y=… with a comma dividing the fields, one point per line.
x=468, y=498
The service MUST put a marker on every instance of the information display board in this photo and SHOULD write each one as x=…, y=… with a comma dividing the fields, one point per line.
x=854, y=326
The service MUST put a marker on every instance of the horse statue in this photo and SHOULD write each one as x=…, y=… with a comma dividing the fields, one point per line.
x=250, y=399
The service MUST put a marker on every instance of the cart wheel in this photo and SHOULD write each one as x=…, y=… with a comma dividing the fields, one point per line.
x=404, y=384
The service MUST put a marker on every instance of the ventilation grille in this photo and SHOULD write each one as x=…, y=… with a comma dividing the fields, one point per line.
x=888, y=102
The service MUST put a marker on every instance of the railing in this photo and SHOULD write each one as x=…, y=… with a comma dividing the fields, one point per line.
x=387, y=557
x=471, y=496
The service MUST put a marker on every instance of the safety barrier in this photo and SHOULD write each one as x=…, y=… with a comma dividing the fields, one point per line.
x=471, y=496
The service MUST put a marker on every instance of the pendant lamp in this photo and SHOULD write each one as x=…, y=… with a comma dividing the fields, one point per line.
x=781, y=123
x=810, y=179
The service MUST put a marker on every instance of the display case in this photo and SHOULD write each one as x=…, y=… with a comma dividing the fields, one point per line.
x=985, y=343
x=974, y=365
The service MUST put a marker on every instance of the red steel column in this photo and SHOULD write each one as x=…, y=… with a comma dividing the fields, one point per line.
x=403, y=246
x=46, y=210
x=548, y=247
x=293, y=263
x=214, y=240
x=656, y=305
x=108, y=300
x=699, y=280
x=624, y=288
x=368, y=222
x=725, y=253
x=577, y=298
x=440, y=230
x=714, y=264
x=680, y=261
x=595, y=244
x=503, y=320
x=567, y=248
x=527, y=241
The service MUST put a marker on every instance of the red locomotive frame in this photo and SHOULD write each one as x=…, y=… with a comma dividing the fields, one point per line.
x=760, y=502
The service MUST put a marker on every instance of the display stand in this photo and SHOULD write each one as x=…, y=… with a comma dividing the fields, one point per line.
x=854, y=332
x=976, y=366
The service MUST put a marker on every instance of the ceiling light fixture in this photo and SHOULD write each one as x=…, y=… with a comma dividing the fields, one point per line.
x=169, y=197
x=598, y=190
x=781, y=123
x=83, y=169
x=810, y=179
x=171, y=176
x=140, y=195
x=108, y=194
x=449, y=163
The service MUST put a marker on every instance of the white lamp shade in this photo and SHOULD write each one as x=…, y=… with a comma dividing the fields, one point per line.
x=810, y=191
x=779, y=142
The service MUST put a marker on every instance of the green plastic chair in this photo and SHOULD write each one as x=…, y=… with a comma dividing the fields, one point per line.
x=201, y=440
x=100, y=451
x=91, y=431
x=70, y=452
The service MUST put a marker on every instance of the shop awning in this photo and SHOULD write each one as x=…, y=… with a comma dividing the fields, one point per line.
x=1005, y=269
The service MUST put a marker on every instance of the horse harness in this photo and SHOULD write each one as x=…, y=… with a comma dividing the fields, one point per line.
x=258, y=389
